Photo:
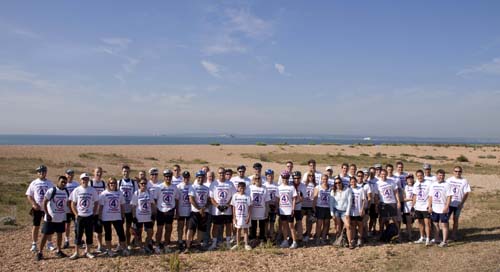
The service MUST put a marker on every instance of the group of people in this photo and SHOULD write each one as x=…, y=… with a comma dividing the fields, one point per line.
x=220, y=200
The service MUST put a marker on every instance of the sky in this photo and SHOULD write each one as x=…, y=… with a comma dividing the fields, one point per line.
x=384, y=68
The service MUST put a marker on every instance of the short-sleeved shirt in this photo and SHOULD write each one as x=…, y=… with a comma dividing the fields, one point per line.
x=241, y=204
x=421, y=193
x=99, y=185
x=237, y=179
x=317, y=177
x=71, y=185
x=358, y=196
x=307, y=201
x=439, y=192
x=152, y=187
x=166, y=196
x=111, y=202
x=184, y=204
x=222, y=192
x=408, y=194
x=142, y=202
x=127, y=187
x=459, y=187
x=259, y=197
x=84, y=199
x=430, y=178
x=37, y=190
x=323, y=200
x=58, y=206
x=286, y=194
x=200, y=193
x=301, y=189
x=385, y=190
x=176, y=180
x=271, y=191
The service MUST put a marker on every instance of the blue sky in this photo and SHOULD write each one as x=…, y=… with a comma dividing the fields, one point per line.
x=391, y=68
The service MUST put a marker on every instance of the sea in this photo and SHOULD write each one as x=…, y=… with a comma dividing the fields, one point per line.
x=230, y=139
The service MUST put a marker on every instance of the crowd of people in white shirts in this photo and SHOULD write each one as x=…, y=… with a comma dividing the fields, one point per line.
x=215, y=201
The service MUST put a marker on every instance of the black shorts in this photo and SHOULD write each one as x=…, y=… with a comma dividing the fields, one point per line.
x=356, y=218
x=405, y=215
x=196, y=222
x=271, y=216
x=297, y=215
x=52, y=227
x=163, y=218
x=97, y=224
x=323, y=213
x=222, y=219
x=128, y=218
x=287, y=218
x=422, y=214
x=388, y=210
x=373, y=213
x=37, y=217
x=147, y=225
x=307, y=210
x=70, y=217
x=439, y=217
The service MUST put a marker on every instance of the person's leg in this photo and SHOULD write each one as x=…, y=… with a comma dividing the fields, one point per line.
x=284, y=229
x=262, y=230
x=107, y=234
x=427, y=227
x=159, y=233
x=42, y=242
x=360, y=231
x=229, y=232
x=253, y=229
x=408, y=226
x=421, y=227
x=79, y=235
x=293, y=232
x=318, y=233
x=436, y=232
x=122, y=239
x=347, y=224
x=67, y=232
x=245, y=236
x=168, y=233
x=180, y=229
x=308, y=223
x=59, y=241
x=89, y=231
x=444, y=227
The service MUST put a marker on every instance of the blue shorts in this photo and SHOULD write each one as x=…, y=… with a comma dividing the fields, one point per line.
x=454, y=210
x=339, y=214
x=439, y=217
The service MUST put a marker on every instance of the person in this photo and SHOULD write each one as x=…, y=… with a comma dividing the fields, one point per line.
x=241, y=177
x=321, y=207
x=312, y=169
x=199, y=197
x=184, y=210
x=177, y=177
x=307, y=203
x=343, y=174
x=111, y=212
x=387, y=200
x=242, y=213
x=329, y=172
x=420, y=204
x=297, y=213
x=35, y=194
x=55, y=203
x=208, y=179
x=361, y=182
x=257, y=170
x=127, y=186
x=152, y=187
x=352, y=170
x=167, y=203
x=99, y=185
x=440, y=195
x=289, y=168
x=84, y=204
x=461, y=189
x=70, y=186
x=271, y=193
x=408, y=199
x=259, y=198
x=340, y=208
x=221, y=192
x=390, y=175
x=357, y=212
x=428, y=172
x=373, y=209
x=378, y=169
x=287, y=196
x=143, y=211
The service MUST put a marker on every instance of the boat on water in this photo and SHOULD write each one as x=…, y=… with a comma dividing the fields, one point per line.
x=367, y=139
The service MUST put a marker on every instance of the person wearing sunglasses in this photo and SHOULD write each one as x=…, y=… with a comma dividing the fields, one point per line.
x=70, y=186
x=357, y=213
x=199, y=217
x=111, y=213
x=153, y=184
x=184, y=209
x=321, y=207
x=461, y=189
x=340, y=207
x=143, y=208
x=221, y=192
x=167, y=203
x=241, y=177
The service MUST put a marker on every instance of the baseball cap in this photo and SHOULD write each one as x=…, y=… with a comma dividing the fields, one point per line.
x=70, y=171
x=329, y=168
x=269, y=172
x=41, y=168
x=167, y=173
x=296, y=174
x=378, y=165
x=285, y=173
x=84, y=175
x=186, y=174
x=409, y=176
x=241, y=167
x=257, y=165
x=200, y=174
x=153, y=171
x=426, y=166
x=365, y=170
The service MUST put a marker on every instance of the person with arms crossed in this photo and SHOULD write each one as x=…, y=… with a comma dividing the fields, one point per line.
x=461, y=189
x=198, y=220
x=143, y=209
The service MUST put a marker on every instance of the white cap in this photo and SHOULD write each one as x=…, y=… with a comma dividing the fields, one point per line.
x=84, y=175
x=328, y=168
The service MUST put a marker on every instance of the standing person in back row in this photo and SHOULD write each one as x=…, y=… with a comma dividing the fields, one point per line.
x=84, y=204
x=289, y=168
x=177, y=177
x=127, y=186
x=35, y=194
x=70, y=186
x=99, y=185
x=312, y=169
x=461, y=189
x=428, y=173
x=241, y=177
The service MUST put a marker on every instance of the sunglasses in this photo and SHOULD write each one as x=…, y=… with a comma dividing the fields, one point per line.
x=458, y=171
x=338, y=182
x=142, y=183
x=154, y=174
x=360, y=176
x=112, y=183
x=221, y=173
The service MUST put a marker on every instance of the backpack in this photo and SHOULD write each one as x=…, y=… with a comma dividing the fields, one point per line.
x=53, y=194
x=133, y=185
x=390, y=233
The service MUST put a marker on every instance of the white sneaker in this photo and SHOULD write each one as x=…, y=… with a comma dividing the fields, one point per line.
x=33, y=247
x=213, y=246
x=89, y=255
x=235, y=247
x=74, y=256
x=129, y=247
x=248, y=247
x=434, y=241
x=294, y=245
x=99, y=250
x=284, y=244
x=443, y=244
x=232, y=240
x=51, y=246
x=360, y=243
x=428, y=243
x=420, y=241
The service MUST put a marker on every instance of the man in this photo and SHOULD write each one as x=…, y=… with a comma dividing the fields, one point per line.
x=343, y=175
x=177, y=177
x=35, y=194
x=99, y=185
x=55, y=202
x=373, y=210
x=387, y=199
x=128, y=187
x=221, y=192
x=199, y=199
x=241, y=177
x=167, y=201
x=70, y=186
x=287, y=196
x=390, y=175
x=401, y=175
x=439, y=203
x=257, y=167
x=427, y=173
x=312, y=169
x=152, y=187
x=84, y=204
x=289, y=168
x=420, y=205
x=184, y=208
x=352, y=170
x=378, y=168
x=461, y=189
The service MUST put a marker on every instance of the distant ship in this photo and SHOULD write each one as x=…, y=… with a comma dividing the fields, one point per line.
x=227, y=136
x=367, y=139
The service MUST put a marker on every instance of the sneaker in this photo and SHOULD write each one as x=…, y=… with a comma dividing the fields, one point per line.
x=443, y=244
x=74, y=256
x=434, y=241
x=186, y=251
x=61, y=254
x=228, y=244
x=351, y=246
x=89, y=255
x=235, y=247
x=167, y=250
x=125, y=253
x=318, y=242
x=294, y=245
x=66, y=245
x=213, y=246
x=33, y=247
x=420, y=241
x=247, y=247
x=110, y=253
x=51, y=246
x=129, y=247
x=360, y=243
x=39, y=256
x=148, y=250
x=284, y=244
x=306, y=239
x=428, y=243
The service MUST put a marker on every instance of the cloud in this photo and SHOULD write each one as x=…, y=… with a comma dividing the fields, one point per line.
x=212, y=68
x=492, y=67
x=115, y=46
x=224, y=44
x=243, y=21
x=281, y=69
x=117, y=41
x=25, y=33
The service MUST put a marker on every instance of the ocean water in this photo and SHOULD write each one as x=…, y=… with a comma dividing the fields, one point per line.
x=226, y=140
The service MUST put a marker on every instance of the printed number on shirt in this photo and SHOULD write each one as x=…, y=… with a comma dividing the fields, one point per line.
x=84, y=203
x=223, y=195
x=256, y=199
x=284, y=199
x=167, y=198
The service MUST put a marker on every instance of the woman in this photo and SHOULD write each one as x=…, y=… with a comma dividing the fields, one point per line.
x=307, y=204
x=111, y=212
x=357, y=212
x=408, y=200
x=143, y=206
x=322, y=210
x=340, y=207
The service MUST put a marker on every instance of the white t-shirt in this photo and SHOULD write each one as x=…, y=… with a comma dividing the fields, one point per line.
x=367, y=189
x=271, y=191
x=184, y=204
x=259, y=197
x=127, y=187
x=439, y=192
x=307, y=201
x=323, y=200
x=237, y=179
x=111, y=202
x=142, y=202
x=176, y=180
x=209, y=204
x=286, y=195
x=358, y=196
x=345, y=180
x=241, y=204
x=408, y=194
x=71, y=185
x=37, y=190
x=430, y=178
x=459, y=187
x=262, y=178
x=400, y=183
x=166, y=196
x=301, y=189
x=152, y=188
x=421, y=192
x=222, y=192
x=58, y=206
x=98, y=185
x=84, y=199
x=385, y=190
x=201, y=194
x=372, y=183
x=280, y=180
x=317, y=177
